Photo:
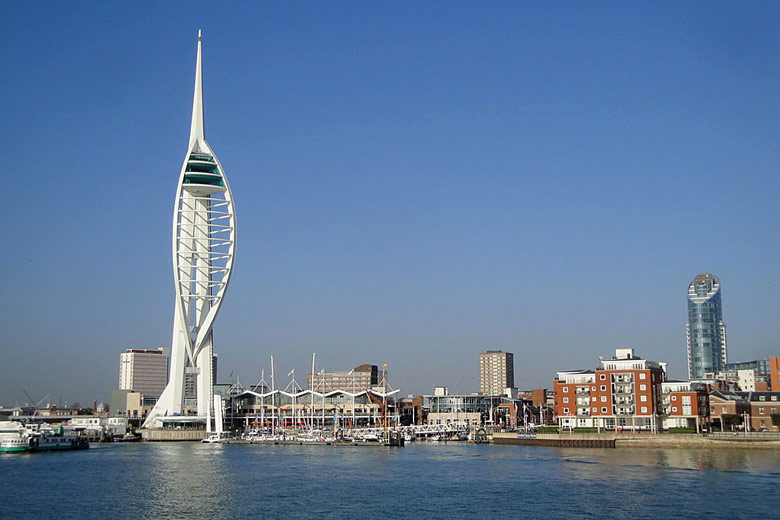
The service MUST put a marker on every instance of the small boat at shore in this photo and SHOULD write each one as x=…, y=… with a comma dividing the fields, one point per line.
x=128, y=437
x=215, y=438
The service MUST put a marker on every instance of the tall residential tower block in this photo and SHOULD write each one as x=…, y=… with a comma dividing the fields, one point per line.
x=705, y=330
x=496, y=372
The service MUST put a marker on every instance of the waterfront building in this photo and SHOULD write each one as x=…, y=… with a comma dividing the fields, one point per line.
x=363, y=377
x=204, y=237
x=496, y=372
x=472, y=410
x=684, y=405
x=705, y=330
x=92, y=425
x=736, y=410
x=144, y=371
x=625, y=393
x=338, y=408
x=763, y=405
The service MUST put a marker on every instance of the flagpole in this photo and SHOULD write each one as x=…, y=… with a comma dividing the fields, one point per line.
x=311, y=394
x=273, y=398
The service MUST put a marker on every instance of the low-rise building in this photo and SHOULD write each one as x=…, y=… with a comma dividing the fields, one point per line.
x=763, y=405
x=472, y=410
x=684, y=405
x=94, y=426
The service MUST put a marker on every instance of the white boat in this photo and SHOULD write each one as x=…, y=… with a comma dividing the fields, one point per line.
x=215, y=438
x=14, y=437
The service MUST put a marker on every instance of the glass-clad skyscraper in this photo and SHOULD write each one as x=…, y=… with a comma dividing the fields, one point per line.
x=705, y=329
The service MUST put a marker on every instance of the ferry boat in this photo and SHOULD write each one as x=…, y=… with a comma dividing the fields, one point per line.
x=14, y=437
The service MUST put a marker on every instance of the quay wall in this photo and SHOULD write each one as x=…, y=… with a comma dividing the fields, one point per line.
x=167, y=435
x=628, y=440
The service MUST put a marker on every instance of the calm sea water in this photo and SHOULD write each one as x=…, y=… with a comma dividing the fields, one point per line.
x=453, y=481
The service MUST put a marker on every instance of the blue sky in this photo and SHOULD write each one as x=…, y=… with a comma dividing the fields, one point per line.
x=414, y=183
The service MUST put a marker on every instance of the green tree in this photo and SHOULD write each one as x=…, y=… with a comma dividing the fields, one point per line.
x=732, y=420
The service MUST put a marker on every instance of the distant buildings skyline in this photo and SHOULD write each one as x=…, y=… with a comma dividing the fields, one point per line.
x=705, y=330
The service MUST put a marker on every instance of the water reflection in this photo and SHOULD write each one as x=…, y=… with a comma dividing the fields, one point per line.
x=189, y=478
x=455, y=481
x=759, y=461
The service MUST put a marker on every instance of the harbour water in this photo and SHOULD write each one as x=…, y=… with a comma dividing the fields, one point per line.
x=422, y=480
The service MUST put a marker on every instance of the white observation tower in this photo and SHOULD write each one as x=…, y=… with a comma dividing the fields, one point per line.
x=204, y=239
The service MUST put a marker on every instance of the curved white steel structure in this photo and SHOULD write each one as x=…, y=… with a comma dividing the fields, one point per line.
x=204, y=239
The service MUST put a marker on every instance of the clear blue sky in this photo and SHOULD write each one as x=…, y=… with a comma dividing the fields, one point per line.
x=414, y=183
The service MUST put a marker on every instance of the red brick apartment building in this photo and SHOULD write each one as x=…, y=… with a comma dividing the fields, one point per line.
x=754, y=408
x=774, y=374
x=624, y=394
x=684, y=405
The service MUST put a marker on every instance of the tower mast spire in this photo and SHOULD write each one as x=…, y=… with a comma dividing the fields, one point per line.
x=196, y=129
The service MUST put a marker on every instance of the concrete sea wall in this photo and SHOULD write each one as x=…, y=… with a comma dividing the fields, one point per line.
x=627, y=440
x=172, y=435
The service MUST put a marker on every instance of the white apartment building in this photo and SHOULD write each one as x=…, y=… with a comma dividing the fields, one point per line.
x=144, y=371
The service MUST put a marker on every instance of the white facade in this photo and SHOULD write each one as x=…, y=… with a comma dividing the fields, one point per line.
x=204, y=237
x=115, y=426
x=144, y=371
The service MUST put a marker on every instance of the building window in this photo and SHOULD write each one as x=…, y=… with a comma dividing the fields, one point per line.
x=565, y=410
x=565, y=389
x=593, y=388
x=602, y=376
x=674, y=408
x=643, y=387
x=644, y=409
x=643, y=398
x=674, y=398
x=603, y=388
x=603, y=409
x=603, y=398
x=642, y=375
x=595, y=409
x=761, y=411
x=594, y=400
x=565, y=399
